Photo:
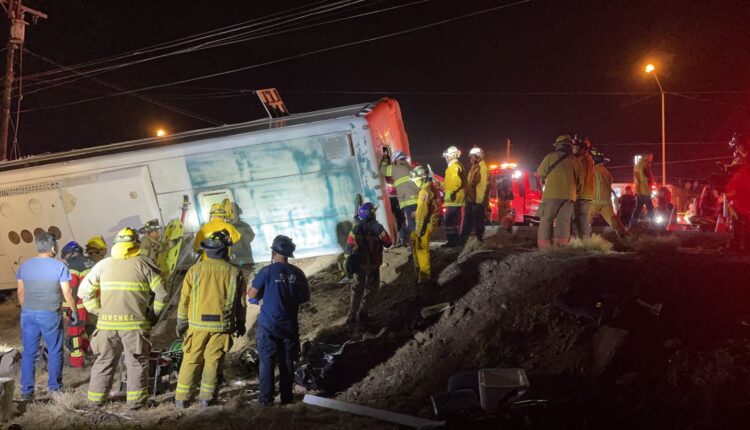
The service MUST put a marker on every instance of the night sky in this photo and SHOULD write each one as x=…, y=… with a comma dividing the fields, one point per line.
x=528, y=72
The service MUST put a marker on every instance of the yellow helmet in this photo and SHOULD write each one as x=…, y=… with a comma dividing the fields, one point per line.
x=217, y=210
x=127, y=235
x=96, y=242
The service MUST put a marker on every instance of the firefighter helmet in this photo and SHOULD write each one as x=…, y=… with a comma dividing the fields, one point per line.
x=70, y=248
x=366, y=211
x=398, y=155
x=564, y=141
x=452, y=152
x=127, y=235
x=150, y=226
x=216, y=241
x=96, y=242
x=283, y=245
x=418, y=173
x=477, y=151
x=583, y=143
x=217, y=210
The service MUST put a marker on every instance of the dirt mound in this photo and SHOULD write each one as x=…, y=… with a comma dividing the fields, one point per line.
x=693, y=358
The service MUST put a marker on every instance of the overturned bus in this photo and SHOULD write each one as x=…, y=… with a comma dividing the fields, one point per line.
x=300, y=175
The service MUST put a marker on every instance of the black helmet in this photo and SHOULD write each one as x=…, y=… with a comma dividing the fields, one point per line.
x=283, y=245
x=217, y=241
x=598, y=156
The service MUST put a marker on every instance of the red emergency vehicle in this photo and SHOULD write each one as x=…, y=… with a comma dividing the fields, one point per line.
x=515, y=194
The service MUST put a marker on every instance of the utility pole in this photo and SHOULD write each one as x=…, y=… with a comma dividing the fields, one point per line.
x=16, y=15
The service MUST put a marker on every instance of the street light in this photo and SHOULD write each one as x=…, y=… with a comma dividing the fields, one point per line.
x=161, y=132
x=650, y=68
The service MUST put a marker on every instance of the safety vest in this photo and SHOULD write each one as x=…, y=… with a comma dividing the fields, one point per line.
x=428, y=211
x=477, y=190
x=119, y=291
x=212, y=296
x=79, y=266
x=367, y=240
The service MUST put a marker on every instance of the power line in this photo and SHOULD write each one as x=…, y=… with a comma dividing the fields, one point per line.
x=292, y=57
x=206, y=45
x=139, y=96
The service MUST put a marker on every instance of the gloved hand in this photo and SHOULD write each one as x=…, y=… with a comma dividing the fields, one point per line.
x=253, y=301
x=152, y=317
x=75, y=321
x=182, y=326
x=239, y=331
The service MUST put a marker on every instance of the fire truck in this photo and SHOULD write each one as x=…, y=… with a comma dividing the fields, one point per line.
x=515, y=194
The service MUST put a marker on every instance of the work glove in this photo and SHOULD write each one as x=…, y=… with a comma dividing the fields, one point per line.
x=239, y=331
x=75, y=321
x=152, y=317
x=181, y=328
x=253, y=301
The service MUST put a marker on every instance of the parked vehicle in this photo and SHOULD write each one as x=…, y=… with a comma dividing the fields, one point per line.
x=515, y=195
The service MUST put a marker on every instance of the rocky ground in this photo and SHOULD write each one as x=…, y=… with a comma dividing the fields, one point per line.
x=688, y=367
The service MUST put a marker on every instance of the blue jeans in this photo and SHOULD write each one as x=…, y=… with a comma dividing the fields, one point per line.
x=36, y=325
x=276, y=344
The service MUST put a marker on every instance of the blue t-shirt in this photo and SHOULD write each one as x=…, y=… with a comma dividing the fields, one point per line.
x=283, y=287
x=41, y=278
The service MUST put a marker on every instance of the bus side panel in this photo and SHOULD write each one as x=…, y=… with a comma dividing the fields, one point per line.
x=302, y=187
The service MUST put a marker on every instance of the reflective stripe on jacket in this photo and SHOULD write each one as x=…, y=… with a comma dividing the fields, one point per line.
x=119, y=291
x=406, y=190
x=212, y=296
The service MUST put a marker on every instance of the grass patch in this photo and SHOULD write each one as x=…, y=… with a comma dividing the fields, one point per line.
x=596, y=244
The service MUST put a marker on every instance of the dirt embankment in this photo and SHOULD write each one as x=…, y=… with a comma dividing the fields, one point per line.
x=683, y=368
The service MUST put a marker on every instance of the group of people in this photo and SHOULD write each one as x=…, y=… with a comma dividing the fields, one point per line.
x=578, y=187
x=127, y=294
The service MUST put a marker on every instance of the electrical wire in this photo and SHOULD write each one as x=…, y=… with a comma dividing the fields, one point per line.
x=700, y=99
x=200, y=36
x=292, y=57
x=255, y=34
x=693, y=160
x=139, y=96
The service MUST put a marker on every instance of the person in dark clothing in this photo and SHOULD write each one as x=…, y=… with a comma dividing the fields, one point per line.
x=364, y=250
x=627, y=204
x=282, y=287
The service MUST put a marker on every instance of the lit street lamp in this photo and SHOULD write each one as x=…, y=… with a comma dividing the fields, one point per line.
x=650, y=68
x=161, y=132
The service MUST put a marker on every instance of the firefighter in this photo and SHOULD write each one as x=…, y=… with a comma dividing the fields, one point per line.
x=364, y=250
x=75, y=334
x=426, y=220
x=582, y=207
x=96, y=248
x=454, y=195
x=211, y=310
x=643, y=178
x=406, y=192
x=602, y=203
x=217, y=222
x=477, y=195
x=120, y=290
x=282, y=287
x=562, y=177
x=150, y=246
x=626, y=204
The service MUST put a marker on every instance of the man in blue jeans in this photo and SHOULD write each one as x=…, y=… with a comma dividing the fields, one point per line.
x=42, y=283
x=282, y=287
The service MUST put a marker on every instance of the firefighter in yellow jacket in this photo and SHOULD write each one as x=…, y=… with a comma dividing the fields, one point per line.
x=561, y=174
x=126, y=292
x=602, y=203
x=211, y=310
x=454, y=195
x=217, y=222
x=582, y=207
x=643, y=179
x=477, y=195
x=426, y=219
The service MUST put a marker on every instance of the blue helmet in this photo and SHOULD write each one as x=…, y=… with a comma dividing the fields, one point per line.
x=366, y=211
x=398, y=155
x=70, y=248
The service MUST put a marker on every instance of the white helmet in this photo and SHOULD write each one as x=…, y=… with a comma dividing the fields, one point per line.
x=477, y=151
x=452, y=152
